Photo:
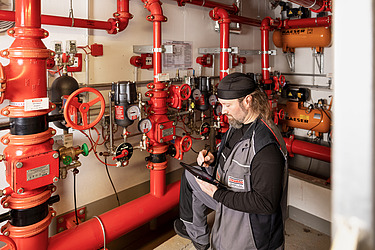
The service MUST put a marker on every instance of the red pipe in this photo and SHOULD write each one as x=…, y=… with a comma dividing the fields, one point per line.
x=117, y=222
x=112, y=26
x=209, y=4
x=308, y=149
x=221, y=15
x=157, y=183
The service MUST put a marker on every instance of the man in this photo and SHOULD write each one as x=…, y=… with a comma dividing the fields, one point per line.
x=251, y=163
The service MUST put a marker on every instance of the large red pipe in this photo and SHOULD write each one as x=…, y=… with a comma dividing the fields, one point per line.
x=113, y=25
x=308, y=149
x=117, y=222
x=222, y=16
x=209, y=4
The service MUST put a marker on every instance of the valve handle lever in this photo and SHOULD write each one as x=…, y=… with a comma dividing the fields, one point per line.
x=123, y=154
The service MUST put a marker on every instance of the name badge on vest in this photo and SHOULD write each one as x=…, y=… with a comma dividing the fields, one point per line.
x=236, y=182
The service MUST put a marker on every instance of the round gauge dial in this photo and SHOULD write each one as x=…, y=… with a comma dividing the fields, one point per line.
x=196, y=94
x=144, y=125
x=218, y=109
x=124, y=152
x=212, y=100
x=133, y=112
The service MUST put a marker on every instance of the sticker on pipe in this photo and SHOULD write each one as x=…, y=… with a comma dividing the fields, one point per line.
x=36, y=104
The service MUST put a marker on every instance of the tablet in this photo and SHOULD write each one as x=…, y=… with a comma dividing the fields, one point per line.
x=202, y=175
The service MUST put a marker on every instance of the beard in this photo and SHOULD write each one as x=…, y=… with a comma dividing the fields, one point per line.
x=234, y=123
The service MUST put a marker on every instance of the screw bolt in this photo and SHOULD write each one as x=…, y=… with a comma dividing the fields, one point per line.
x=53, y=132
x=19, y=164
x=20, y=191
x=161, y=126
x=61, y=220
x=6, y=141
x=6, y=233
x=55, y=155
x=11, y=31
x=174, y=137
x=5, y=53
x=6, y=204
x=82, y=211
x=55, y=179
x=6, y=112
x=161, y=140
x=61, y=229
x=53, y=214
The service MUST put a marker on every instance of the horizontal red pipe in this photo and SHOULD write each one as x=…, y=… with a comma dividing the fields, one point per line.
x=312, y=150
x=62, y=21
x=209, y=4
x=117, y=222
x=307, y=22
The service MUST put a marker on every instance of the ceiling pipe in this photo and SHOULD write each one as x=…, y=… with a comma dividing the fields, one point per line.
x=116, y=222
x=112, y=26
x=210, y=4
x=307, y=149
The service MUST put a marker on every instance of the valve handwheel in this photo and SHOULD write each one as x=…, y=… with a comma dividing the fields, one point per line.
x=83, y=108
x=10, y=245
x=186, y=143
x=185, y=92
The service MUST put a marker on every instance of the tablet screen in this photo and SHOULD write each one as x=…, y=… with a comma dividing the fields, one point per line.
x=202, y=175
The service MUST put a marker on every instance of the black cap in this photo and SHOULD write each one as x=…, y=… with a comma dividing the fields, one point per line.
x=235, y=85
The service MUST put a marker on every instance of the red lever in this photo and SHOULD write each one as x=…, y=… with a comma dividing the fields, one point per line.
x=123, y=154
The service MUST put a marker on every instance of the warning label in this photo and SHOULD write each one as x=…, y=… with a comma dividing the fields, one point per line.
x=119, y=113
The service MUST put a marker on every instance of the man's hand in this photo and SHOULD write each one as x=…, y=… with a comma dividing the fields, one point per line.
x=207, y=187
x=205, y=159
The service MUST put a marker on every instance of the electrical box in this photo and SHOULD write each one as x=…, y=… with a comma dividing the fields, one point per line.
x=96, y=49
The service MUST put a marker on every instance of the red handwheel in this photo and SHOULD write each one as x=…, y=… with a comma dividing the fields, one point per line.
x=184, y=91
x=186, y=143
x=10, y=245
x=83, y=108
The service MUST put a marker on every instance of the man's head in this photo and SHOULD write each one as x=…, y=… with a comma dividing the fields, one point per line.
x=242, y=100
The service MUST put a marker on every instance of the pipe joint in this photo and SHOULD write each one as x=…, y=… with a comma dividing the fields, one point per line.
x=219, y=14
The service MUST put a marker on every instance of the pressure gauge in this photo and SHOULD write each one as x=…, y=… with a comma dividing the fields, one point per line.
x=133, y=112
x=218, y=109
x=124, y=152
x=144, y=125
x=212, y=100
x=197, y=94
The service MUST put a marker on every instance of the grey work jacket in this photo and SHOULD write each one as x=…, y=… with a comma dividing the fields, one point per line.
x=233, y=229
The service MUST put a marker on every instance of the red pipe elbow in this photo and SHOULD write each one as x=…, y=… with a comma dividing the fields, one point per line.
x=154, y=6
x=121, y=17
x=219, y=14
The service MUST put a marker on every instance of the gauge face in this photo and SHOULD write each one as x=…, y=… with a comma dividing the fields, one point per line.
x=218, y=110
x=133, y=112
x=196, y=94
x=124, y=151
x=144, y=125
x=212, y=100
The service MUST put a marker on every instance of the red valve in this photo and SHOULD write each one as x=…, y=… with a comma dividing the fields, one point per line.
x=281, y=114
x=73, y=104
x=10, y=245
x=186, y=143
x=184, y=91
x=123, y=154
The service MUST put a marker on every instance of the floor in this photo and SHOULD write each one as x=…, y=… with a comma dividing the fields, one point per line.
x=298, y=237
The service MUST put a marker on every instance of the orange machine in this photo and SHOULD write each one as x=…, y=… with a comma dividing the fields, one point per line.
x=314, y=37
x=298, y=116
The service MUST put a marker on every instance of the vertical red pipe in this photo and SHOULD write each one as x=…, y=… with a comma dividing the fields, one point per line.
x=157, y=183
x=222, y=16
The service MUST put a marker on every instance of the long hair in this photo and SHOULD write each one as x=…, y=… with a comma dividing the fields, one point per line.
x=260, y=105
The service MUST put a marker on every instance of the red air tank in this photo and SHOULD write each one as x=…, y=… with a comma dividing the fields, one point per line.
x=314, y=37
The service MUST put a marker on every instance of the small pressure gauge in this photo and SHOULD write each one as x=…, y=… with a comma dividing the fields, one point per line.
x=144, y=125
x=212, y=100
x=197, y=94
x=133, y=112
x=218, y=109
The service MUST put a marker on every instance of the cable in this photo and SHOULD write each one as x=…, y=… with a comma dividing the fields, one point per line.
x=110, y=179
x=75, y=172
x=101, y=224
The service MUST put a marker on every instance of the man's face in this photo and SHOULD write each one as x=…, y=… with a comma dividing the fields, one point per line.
x=235, y=111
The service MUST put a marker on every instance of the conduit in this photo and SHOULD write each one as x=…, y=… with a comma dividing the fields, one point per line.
x=308, y=149
x=112, y=26
x=117, y=222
